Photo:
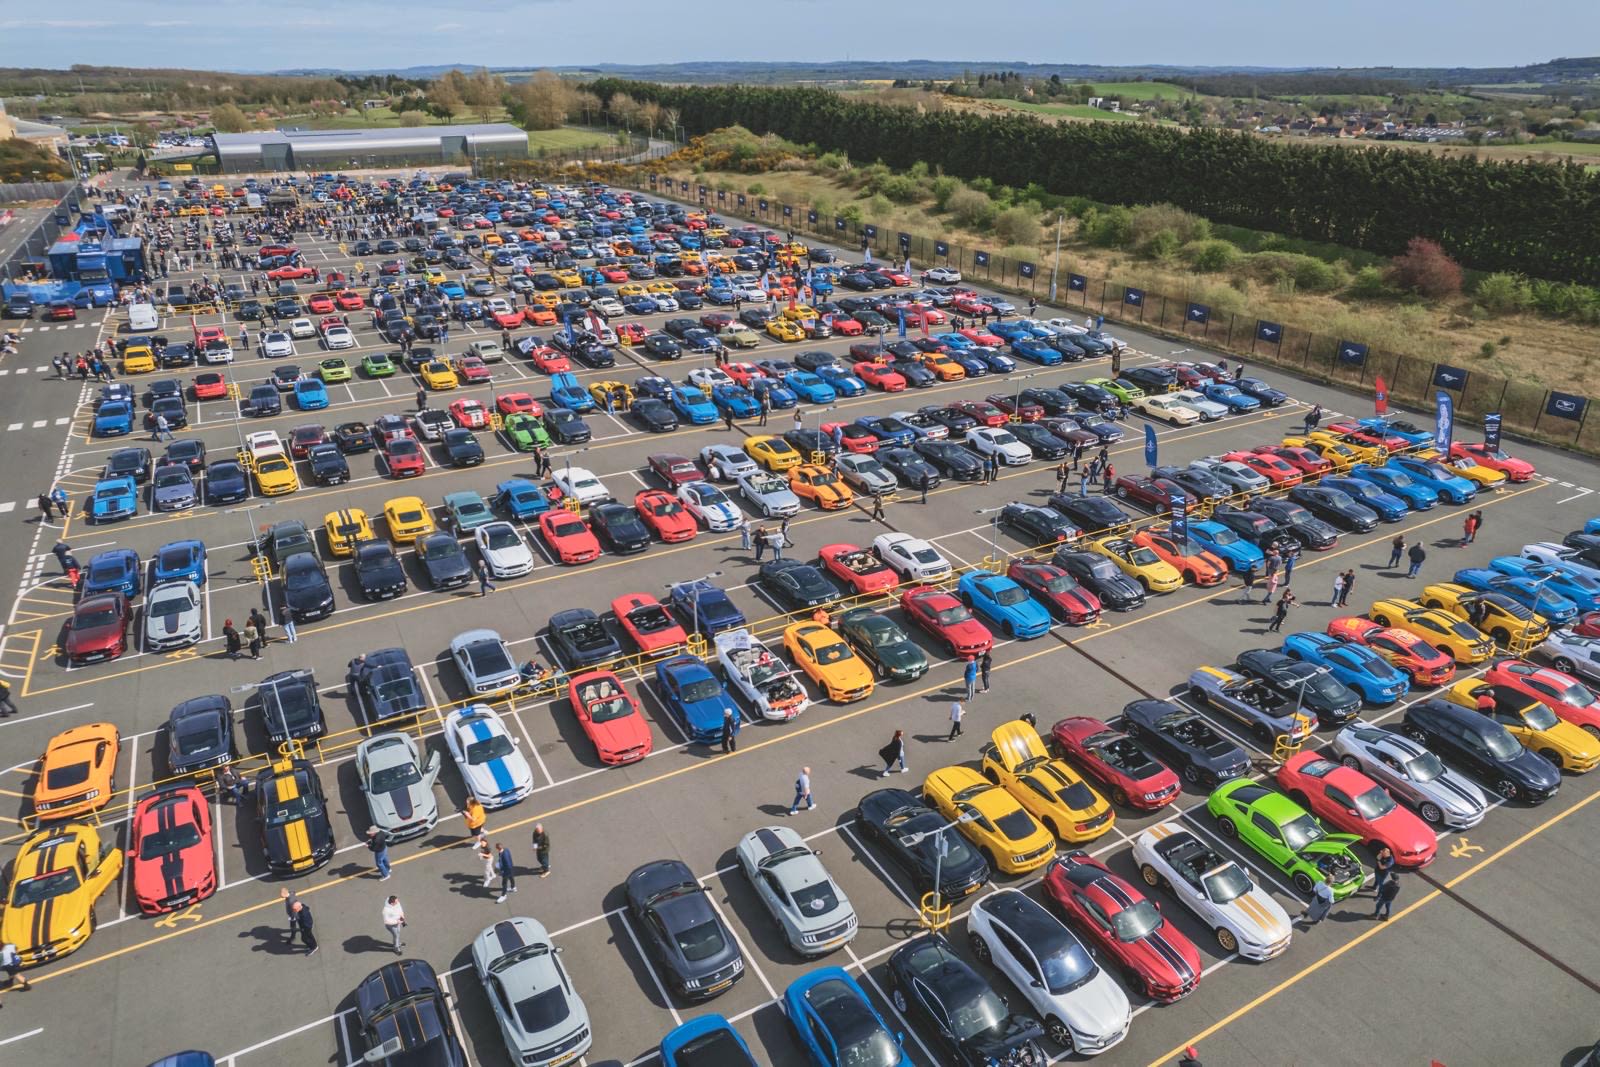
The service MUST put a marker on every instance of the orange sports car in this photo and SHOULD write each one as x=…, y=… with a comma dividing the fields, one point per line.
x=76, y=770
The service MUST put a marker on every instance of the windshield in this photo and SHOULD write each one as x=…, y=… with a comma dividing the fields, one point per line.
x=493, y=747
x=1143, y=557
x=1017, y=825
x=1226, y=883
x=816, y=899
x=1425, y=768
x=833, y=653
x=502, y=537
x=543, y=1010
x=46, y=886
x=982, y=1014
x=700, y=942
x=1539, y=717
x=1010, y=595
x=1374, y=803
x=951, y=616
x=1061, y=583
x=1224, y=536
x=99, y=617
x=1302, y=831
x=388, y=779
x=1067, y=968
x=703, y=689
x=163, y=842
x=488, y=658
x=1136, y=922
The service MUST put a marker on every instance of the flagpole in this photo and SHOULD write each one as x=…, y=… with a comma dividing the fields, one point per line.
x=1055, y=270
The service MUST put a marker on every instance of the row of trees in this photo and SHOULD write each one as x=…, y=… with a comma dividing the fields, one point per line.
x=1542, y=220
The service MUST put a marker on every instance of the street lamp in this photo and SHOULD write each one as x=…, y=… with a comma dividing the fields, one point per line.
x=1017, y=398
x=994, y=529
x=942, y=847
x=695, y=599
x=250, y=525
x=249, y=687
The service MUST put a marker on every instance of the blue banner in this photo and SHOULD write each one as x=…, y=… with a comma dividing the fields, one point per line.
x=901, y=312
x=1491, y=431
x=870, y=230
x=722, y=195
x=1027, y=270
x=787, y=211
x=1444, y=421
x=762, y=203
x=1352, y=352
x=1077, y=283
x=839, y=223
x=1448, y=377
x=1150, y=445
x=811, y=217
x=941, y=248
x=1179, y=504
x=1198, y=313
x=905, y=242
x=1270, y=332
x=1566, y=406
x=566, y=320
x=1132, y=297
x=741, y=200
x=981, y=258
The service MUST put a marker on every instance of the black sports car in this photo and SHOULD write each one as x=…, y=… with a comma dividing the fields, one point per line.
x=1038, y=525
x=1054, y=401
x=1335, y=506
x=661, y=346
x=914, y=836
x=909, y=467
x=1089, y=397
x=328, y=465
x=956, y=422
x=1256, y=528
x=306, y=589
x=353, y=437
x=1305, y=527
x=970, y=1021
x=619, y=527
x=696, y=952
x=1263, y=392
x=654, y=415
x=1333, y=702
x=200, y=734
x=405, y=1014
x=444, y=560
x=813, y=359
x=290, y=707
x=1484, y=747
x=1152, y=379
x=1091, y=514
x=283, y=539
x=461, y=447
x=917, y=375
x=132, y=463
x=378, y=572
x=795, y=584
x=1101, y=577
x=1203, y=484
x=581, y=639
x=385, y=686
x=284, y=818
x=806, y=441
x=566, y=427
x=226, y=482
x=1186, y=741
x=1043, y=443
x=953, y=460
x=189, y=452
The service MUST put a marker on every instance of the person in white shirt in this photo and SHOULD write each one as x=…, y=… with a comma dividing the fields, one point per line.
x=394, y=920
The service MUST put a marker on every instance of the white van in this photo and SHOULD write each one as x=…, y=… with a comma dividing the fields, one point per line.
x=142, y=318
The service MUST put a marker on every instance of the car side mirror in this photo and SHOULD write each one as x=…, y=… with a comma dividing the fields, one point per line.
x=816, y=852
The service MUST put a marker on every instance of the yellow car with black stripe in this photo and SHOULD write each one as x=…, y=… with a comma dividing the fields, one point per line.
x=275, y=474
x=1139, y=563
x=620, y=394
x=800, y=313
x=1009, y=838
x=662, y=286
x=1503, y=619
x=828, y=661
x=1341, y=455
x=57, y=876
x=1052, y=792
x=408, y=518
x=438, y=375
x=821, y=485
x=1566, y=745
x=785, y=330
x=296, y=833
x=547, y=299
x=1463, y=642
x=345, y=528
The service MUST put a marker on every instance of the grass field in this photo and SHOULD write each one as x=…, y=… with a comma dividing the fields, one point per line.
x=1067, y=111
x=1143, y=90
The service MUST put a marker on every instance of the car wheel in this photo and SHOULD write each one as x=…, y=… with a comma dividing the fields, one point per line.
x=1415, y=733
x=1122, y=492
x=1225, y=939
x=1381, y=620
x=1553, y=756
x=1191, y=774
x=1564, y=665
x=1059, y=1032
x=1226, y=828
x=1501, y=637
x=1302, y=881
x=1507, y=789
x=1151, y=876
x=1431, y=813
x=980, y=948
x=1351, y=762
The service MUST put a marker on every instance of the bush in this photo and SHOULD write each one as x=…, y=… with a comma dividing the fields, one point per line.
x=1017, y=226
x=1486, y=350
x=851, y=213
x=1425, y=268
x=1077, y=206
x=879, y=206
x=832, y=161
x=1567, y=301
x=413, y=118
x=901, y=189
x=1370, y=283
x=972, y=208
x=1151, y=220
x=1163, y=244
x=1221, y=298
x=755, y=189
x=944, y=187
x=1109, y=228
x=1212, y=255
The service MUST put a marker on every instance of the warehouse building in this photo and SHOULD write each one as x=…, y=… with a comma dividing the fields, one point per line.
x=289, y=150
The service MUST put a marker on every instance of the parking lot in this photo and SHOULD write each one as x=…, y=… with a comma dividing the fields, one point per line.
x=1483, y=962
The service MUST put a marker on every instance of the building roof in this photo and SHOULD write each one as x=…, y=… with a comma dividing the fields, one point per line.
x=365, y=140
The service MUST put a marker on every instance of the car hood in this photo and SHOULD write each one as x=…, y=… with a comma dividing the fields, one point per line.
x=405, y=805
x=1332, y=845
x=1098, y=1007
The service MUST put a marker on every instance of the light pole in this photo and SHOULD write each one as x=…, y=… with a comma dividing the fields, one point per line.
x=942, y=847
x=249, y=521
x=993, y=537
x=1017, y=399
x=283, y=723
x=1055, y=269
x=695, y=599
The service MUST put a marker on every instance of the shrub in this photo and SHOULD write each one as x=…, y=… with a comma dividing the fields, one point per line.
x=1221, y=298
x=1018, y=226
x=879, y=206
x=1212, y=255
x=1370, y=283
x=413, y=118
x=1109, y=228
x=1152, y=219
x=944, y=187
x=1425, y=268
x=832, y=161
x=1077, y=206
x=1486, y=350
x=972, y=208
x=901, y=189
x=918, y=170
x=755, y=189
x=1565, y=301
x=851, y=213
x=1163, y=244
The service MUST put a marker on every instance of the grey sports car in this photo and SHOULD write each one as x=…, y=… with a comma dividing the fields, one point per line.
x=398, y=784
x=541, y=1016
x=813, y=912
x=1572, y=653
x=172, y=616
x=1413, y=774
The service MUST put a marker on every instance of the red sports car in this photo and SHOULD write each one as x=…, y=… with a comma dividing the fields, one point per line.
x=548, y=360
x=1515, y=470
x=1428, y=666
x=99, y=629
x=1152, y=494
x=1214, y=372
x=1353, y=431
x=648, y=624
x=1188, y=377
x=403, y=456
x=858, y=568
x=518, y=404
x=288, y=274
x=845, y=326
x=716, y=320
x=170, y=847
x=853, y=436
x=302, y=438
x=349, y=300
x=614, y=274
x=1112, y=913
x=1557, y=690
x=917, y=315
x=468, y=413
x=1356, y=804
x=971, y=305
x=1026, y=410
x=610, y=717
x=663, y=513
x=631, y=333
x=1056, y=590
x=1587, y=625
x=1301, y=459
x=673, y=469
x=568, y=536
x=879, y=376
x=1130, y=774
x=1275, y=469
x=986, y=413
x=320, y=304
x=946, y=618
x=473, y=369
x=210, y=386
x=980, y=336
x=60, y=311
x=743, y=373
x=508, y=320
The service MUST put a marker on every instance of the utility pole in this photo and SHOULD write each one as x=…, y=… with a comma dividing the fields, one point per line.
x=1055, y=270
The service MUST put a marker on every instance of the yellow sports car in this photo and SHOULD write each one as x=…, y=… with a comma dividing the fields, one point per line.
x=1049, y=789
x=345, y=528
x=943, y=367
x=773, y=453
x=620, y=394
x=1569, y=746
x=1464, y=643
x=738, y=335
x=1474, y=472
x=569, y=278
x=661, y=286
x=434, y=275
x=138, y=359
x=438, y=375
x=1009, y=838
x=1503, y=619
x=800, y=313
x=547, y=299
x=785, y=330
x=408, y=518
x=275, y=475
x=1139, y=563
x=828, y=661
x=58, y=874
x=1342, y=456
x=632, y=289
x=822, y=485
x=1364, y=452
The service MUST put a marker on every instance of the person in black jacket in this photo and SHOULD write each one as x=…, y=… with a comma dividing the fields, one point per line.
x=894, y=752
x=302, y=923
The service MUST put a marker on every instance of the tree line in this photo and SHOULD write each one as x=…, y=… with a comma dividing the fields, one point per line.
x=1538, y=219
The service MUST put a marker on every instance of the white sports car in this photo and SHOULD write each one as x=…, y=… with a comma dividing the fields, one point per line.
x=484, y=661
x=865, y=474
x=302, y=328
x=1413, y=774
x=941, y=275
x=486, y=754
x=276, y=345
x=337, y=337
x=710, y=505
x=770, y=493
x=581, y=483
x=996, y=441
x=911, y=557
x=504, y=551
x=1572, y=653
x=1208, y=410
x=726, y=462
x=764, y=681
x=707, y=377
x=1242, y=917
x=1560, y=557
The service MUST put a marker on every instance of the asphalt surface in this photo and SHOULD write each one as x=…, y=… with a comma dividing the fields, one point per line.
x=1486, y=961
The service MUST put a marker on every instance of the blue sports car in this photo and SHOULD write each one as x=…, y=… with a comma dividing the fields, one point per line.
x=1010, y=331
x=640, y=305
x=1005, y=603
x=890, y=429
x=1581, y=589
x=954, y=341
x=1260, y=390
x=1413, y=434
x=843, y=382
x=837, y=1024
x=1390, y=508
x=692, y=694
x=1230, y=396
x=115, y=570
x=113, y=419
x=997, y=362
x=692, y=405
x=1398, y=483
x=705, y=1040
x=180, y=560
x=113, y=498
x=811, y=389
x=1356, y=666
x=1240, y=554
x=520, y=499
x=567, y=392
x=1036, y=351
x=736, y=399
x=310, y=394
x=701, y=606
x=1451, y=486
x=1525, y=591
x=226, y=482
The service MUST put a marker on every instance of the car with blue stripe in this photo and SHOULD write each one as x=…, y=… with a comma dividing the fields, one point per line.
x=733, y=398
x=1561, y=579
x=1359, y=667
x=810, y=388
x=1529, y=593
x=836, y=1022
x=486, y=754
x=1418, y=496
x=841, y=380
x=567, y=392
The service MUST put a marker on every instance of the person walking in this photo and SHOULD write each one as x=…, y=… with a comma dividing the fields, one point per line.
x=744, y=535
x=1313, y=418
x=956, y=713
x=1383, y=869
x=63, y=503
x=259, y=621
x=730, y=738
x=1397, y=548
x=802, y=792
x=1107, y=477
x=1272, y=585
x=231, y=639
x=727, y=418
x=44, y=507
x=1469, y=529
x=1249, y=578
x=923, y=481
x=378, y=845
x=541, y=849
x=1338, y=589
x=775, y=542
x=969, y=675
x=291, y=900
x=1386, y=895
x=8, y=707
x=1349, y=584
x=783, y=533
x=485, y=853
x=877, y=507
x=422, y=398
x=760, y=538
x=985, y=665
x=1321, y=903
x=394, y=920
x=1063, y=472
x=799, y=420
x=1274, y=560
x=892, y=753
x=1417, y=555
x=252, y=638
x=765, y=406
x=1281, y=612
x=507, y=871
x=473, y=816
x=11, y=964
x=485, y=586
x=286, y=620
x=303, y=922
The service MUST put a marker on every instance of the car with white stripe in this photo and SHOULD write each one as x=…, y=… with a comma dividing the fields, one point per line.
x=486, y=755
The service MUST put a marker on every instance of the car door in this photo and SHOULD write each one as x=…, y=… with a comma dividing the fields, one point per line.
x=1271, y=841
x=774, y=898
x=1097, y=921
x=934, y=1010
x=1015, y=962
x=1394, y=777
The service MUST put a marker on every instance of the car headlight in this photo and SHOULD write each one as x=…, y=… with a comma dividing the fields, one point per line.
x=92, y=794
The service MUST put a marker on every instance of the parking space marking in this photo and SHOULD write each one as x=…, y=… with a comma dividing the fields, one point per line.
x=627, y=926
x=862, y=849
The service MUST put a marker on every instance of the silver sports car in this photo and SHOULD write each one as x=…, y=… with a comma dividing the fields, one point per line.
x=172, y=616
x=1412, y=774
x=813, y=912
x=398, y=784
x=542, y=1019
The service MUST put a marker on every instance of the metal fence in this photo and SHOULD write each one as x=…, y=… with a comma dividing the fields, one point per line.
x=34, y=246
x=20, y=192
x=1527, y=409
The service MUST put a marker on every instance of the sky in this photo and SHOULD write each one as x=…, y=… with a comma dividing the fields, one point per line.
x=381, y=34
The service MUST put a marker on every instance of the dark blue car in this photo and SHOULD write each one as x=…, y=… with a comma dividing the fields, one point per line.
x=694, y=697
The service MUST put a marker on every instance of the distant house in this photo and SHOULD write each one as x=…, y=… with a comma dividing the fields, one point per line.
x=1587, y=136
x=368, y=105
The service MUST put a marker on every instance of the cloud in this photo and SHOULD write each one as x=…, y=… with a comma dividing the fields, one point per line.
x=446, y=27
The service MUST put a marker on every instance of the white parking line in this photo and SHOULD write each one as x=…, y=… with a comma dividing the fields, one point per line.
x=627, y=926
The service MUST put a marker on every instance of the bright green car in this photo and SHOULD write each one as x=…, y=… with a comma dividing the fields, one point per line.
x=377, y=365
x=1120, y=388
x=1287, y=836
x=526, y=432
x=334, y=369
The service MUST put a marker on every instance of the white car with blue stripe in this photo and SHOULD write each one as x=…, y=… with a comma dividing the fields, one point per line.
x=486, y=754
x=710, y=505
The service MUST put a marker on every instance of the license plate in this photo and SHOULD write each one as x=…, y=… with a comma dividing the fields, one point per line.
x=720, y=986
x=559, y=1060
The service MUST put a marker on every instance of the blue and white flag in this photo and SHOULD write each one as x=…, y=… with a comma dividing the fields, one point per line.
x=1149, y=445
x=1444, y=421
x=902, y=316
x=1270, y=332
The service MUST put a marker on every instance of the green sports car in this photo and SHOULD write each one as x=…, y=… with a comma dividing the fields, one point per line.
x=334, y=369
x=525, y=432
x=1288, y=836
x=377, y=365
x=1120, y=388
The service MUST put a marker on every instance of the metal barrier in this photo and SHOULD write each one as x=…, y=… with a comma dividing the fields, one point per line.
x=933, y=915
